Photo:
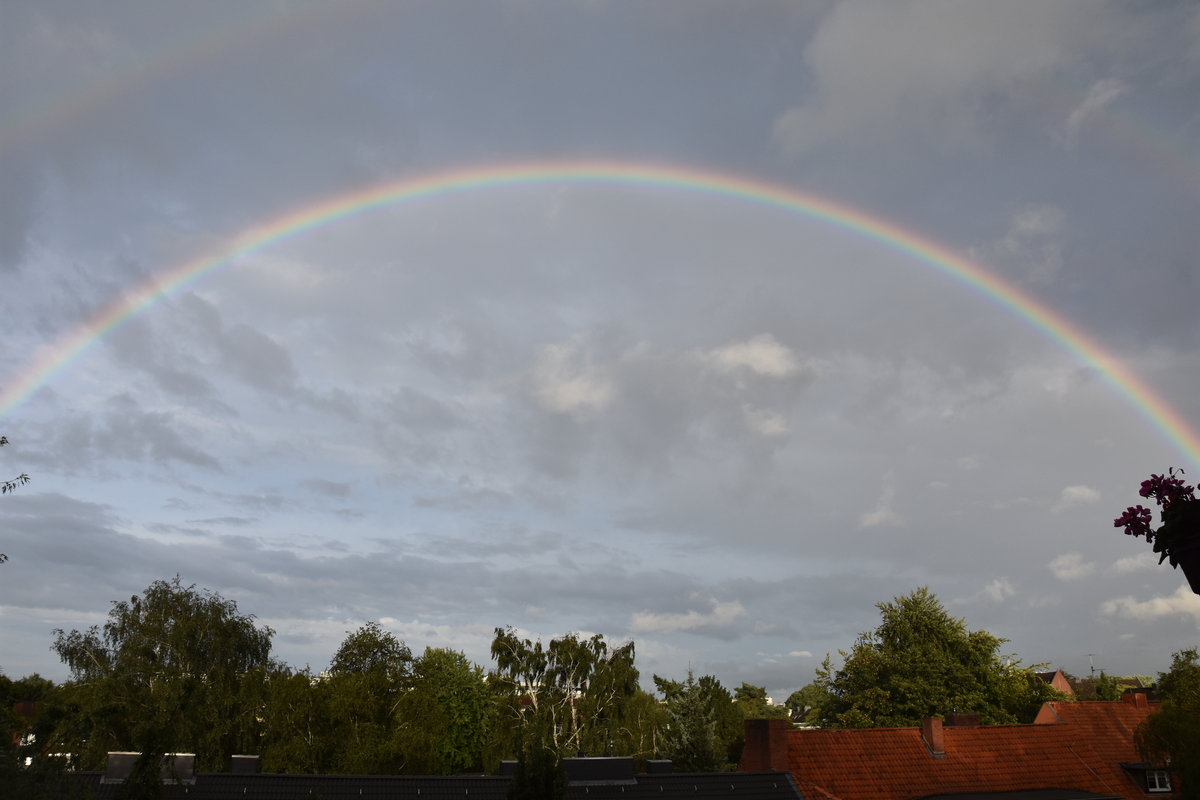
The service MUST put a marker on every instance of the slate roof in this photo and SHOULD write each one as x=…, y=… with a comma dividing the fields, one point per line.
x=674, y=786
x=896, y=763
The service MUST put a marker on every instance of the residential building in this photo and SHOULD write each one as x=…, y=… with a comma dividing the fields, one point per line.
x=1077, y=751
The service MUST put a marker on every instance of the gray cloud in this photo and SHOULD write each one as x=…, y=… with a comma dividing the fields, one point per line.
x=694, y=418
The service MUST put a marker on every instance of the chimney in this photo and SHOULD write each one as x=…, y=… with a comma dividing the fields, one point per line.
x=658, y=766
x=931, y=732
x=766, y=746
x=1136, y=699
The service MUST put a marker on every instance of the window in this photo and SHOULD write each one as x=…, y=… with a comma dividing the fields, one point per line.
x=1158, y=780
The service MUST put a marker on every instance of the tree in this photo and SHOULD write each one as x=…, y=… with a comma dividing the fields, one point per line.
x=574, y=690
x=1107, y=687
x=296, y=728
x=922, y=662
x=372, y=650
x=754, y=703
x=1172, y=734
x=808, y=703
x=175, y=670
x=691, y=736
x=728, y=721
x=10, y=486
x=368, y=675
x=445, y=720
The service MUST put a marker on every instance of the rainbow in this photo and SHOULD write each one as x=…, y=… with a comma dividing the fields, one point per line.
x=855, y=222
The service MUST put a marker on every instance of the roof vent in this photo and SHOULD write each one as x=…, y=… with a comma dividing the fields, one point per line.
x=172, y=768
x=609, y=771
x=244, y=765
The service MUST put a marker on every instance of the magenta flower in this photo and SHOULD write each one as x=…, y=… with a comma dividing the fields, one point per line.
x=1136, y=522
x=1166, y=489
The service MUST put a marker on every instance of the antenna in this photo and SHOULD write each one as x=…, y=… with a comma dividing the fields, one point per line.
x=1092, y=663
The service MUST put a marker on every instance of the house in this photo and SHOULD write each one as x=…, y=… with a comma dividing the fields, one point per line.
x=1059, y=681
x=1110, y=726
x=587, y=778
x=1070, y=755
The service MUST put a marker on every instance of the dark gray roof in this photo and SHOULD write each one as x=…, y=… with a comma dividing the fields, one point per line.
x=264, y=786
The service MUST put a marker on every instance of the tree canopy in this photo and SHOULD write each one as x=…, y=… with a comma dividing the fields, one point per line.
x=1172, y=734
x=175, y=670
x=922, y=662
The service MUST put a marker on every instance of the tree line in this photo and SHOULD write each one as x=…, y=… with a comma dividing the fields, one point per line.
x=181, y=669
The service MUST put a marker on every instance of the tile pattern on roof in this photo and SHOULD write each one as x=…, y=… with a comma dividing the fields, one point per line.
x=896, y=764
x=1109, y=725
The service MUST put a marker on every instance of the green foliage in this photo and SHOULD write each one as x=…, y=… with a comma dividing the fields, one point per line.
x=28, y=735
x=372, y=650
x=691, y=735
x=1107, y=687
x=1172, y=734
x=296, y=729
x=754, y=703
x=922, y=662
x=810, y=702
x=540, y=774
x=176, y=670
x=367, y=678
x=571, y=695
x=728, y=720
x=445, y=720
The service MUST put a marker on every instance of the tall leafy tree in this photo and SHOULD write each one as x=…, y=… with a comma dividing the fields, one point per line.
x=808, y=702
x=1172, y=734
x=368, y=675
x=573, y=690
x=296, y=726
x=754, y=703
x=177, y=669
x=444, y=721
x=728, y=719
x=690, y=740
x=922, y=662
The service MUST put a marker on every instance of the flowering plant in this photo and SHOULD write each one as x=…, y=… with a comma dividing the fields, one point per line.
x=1179, y=507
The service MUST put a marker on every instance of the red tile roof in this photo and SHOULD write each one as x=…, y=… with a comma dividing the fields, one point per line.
x=1108, y=725
x=896, y=764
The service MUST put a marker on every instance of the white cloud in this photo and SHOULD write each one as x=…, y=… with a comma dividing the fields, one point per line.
x=1071, y=566
x=997, y=591
x=762, y=355
x=1073, y=496
x=883, y=515
x=764, y=422
x=721, y=615
x=1183, y=603
x=1138, y=563
x=1031, y=246
x=800, y=654
x=1100, y=95
x=565, y=382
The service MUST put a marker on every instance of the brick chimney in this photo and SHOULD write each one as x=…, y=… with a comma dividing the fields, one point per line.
x=766, y=746
x=1136, y=699
x=931, y=732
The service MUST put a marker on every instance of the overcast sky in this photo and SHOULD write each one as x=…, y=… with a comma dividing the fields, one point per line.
x=721, y=429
